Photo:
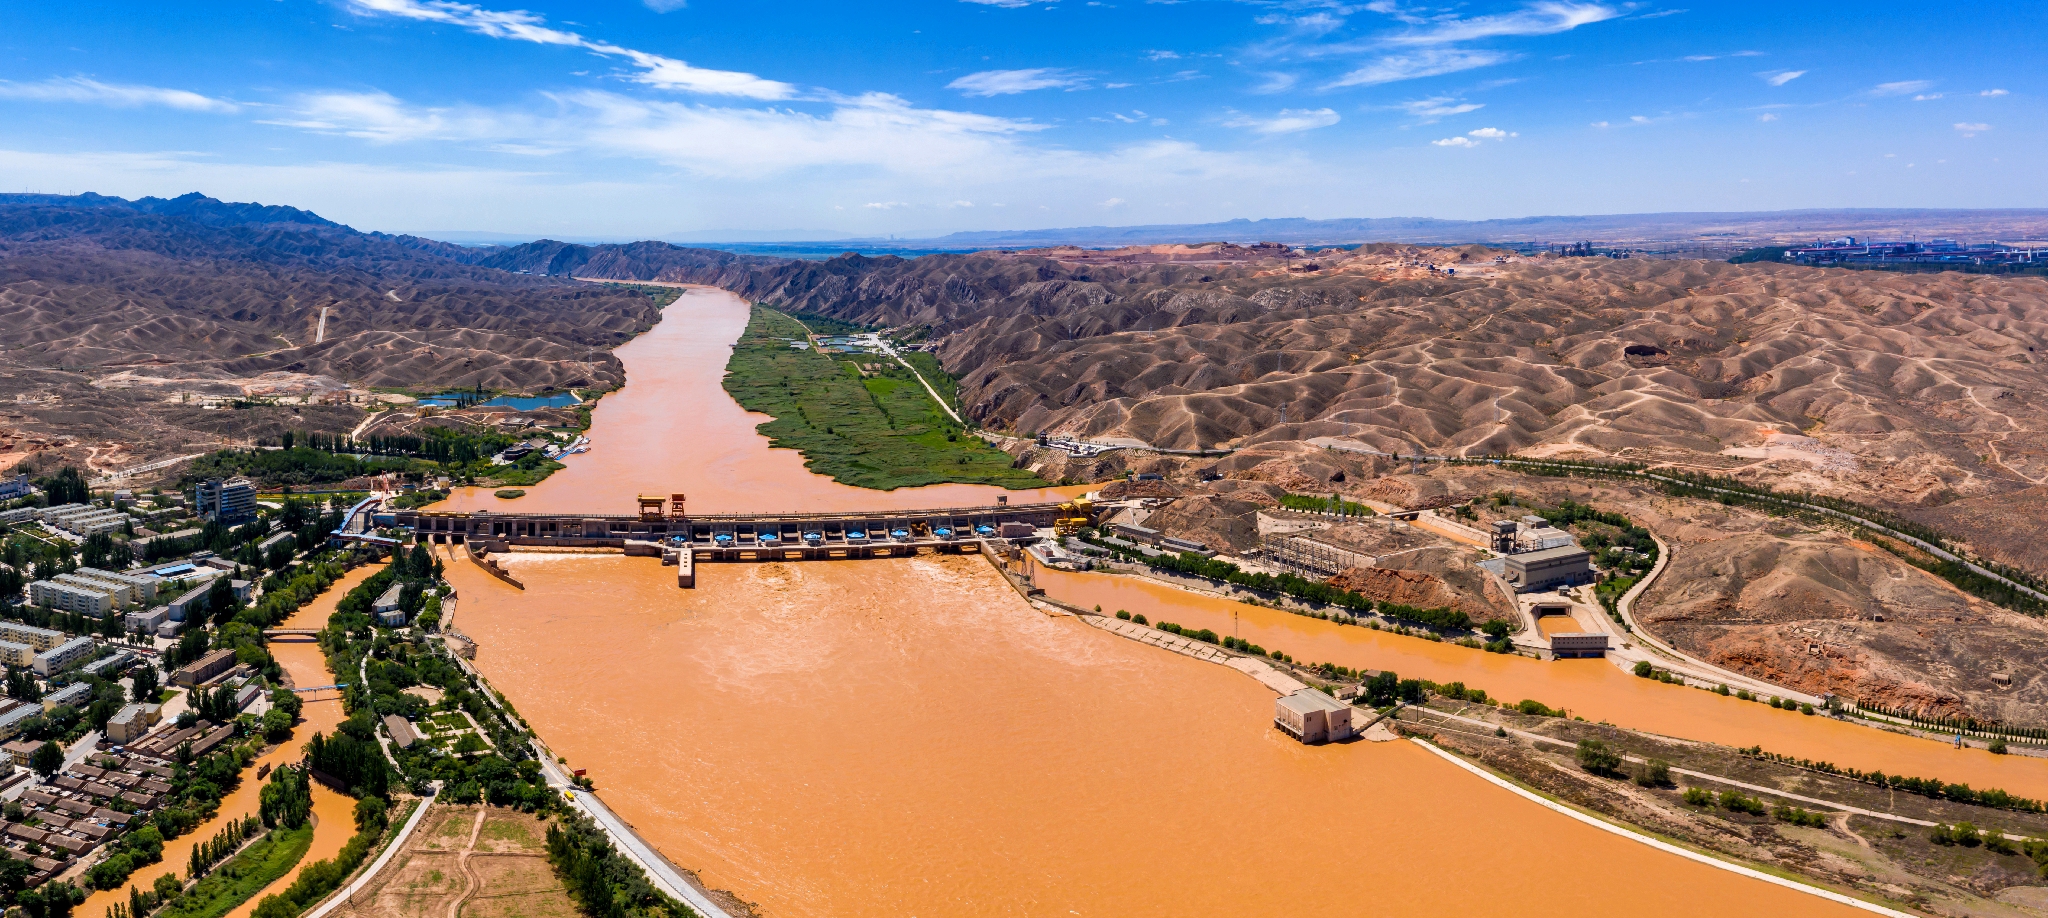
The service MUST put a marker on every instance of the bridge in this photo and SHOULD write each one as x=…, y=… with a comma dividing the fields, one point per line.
x=274, y=633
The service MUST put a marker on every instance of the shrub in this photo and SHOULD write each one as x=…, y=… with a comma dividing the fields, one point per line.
x=1597, y=757
x=1799, y=816
x=1536, y=708
x=1654, y=773
x=1126, y=616
x=1643, y=668
x=1699, y=796
x=1140, y=619
x=1722, y=690
x=1806, y=709
x=1735, y=802
x=1997, y=746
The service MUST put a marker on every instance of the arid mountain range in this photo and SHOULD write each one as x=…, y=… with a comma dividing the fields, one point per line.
x=124, y=318
x=1914, y=391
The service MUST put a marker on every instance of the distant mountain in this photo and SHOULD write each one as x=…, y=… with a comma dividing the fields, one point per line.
x=111, y=308
x=1677, y=227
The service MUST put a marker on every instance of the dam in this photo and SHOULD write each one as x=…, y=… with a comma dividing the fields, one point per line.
x=741, y=536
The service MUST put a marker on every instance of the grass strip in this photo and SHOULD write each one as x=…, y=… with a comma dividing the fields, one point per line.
x=243, y=876
x=880, y=431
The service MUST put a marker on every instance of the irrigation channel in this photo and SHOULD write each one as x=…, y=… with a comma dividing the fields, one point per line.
x=909, y=737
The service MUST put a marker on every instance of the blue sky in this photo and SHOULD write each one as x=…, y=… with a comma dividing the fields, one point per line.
x=615, y=119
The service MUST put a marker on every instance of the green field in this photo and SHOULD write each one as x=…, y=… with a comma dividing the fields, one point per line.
x=881, y=432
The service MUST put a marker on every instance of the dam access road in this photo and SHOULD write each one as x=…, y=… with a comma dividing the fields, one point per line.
x=958, y=752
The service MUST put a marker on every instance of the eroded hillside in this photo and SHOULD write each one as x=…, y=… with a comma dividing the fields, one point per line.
x=123, y=318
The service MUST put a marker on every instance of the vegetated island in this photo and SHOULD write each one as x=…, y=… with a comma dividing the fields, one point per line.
x=860, y=418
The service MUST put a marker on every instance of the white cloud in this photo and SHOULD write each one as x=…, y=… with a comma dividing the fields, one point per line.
x=1440, y=107
x=1009, y=82
x=1972, y=129
x=1162, y=55
x=1545, y=18
x=520, y=25
x=1288, y=121
x=1781, y=77
x=1603, y=124
x=1927, y=97
x=884, y=205
x=665, y=6
x=1900, y=88
x=961, y=204
x=1475, y=138
x=123, y=95
x=1424, y=63
x=1008, y=4
x=1767, y=116
x=1113, y=202
x=1993, y=92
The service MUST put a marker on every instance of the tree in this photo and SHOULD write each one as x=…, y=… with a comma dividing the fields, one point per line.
x=1597, y=757
x=1382, y=689
x=145, y=686
x=47, y=758
x=1496, y=629
x=1643, y=668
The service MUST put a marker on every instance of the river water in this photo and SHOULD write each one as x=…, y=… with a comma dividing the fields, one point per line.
x=908, y=737
x=673, y=429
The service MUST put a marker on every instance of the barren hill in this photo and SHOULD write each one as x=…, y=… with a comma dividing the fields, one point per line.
x=118, y=313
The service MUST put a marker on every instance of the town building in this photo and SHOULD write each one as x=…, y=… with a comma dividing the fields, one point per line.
x=122, y=594
x=231, y=501
x=1578, y=644
x=247, y=694
x=75, y=695
x=19, y=751
x=1313, y=717
x=14, y=654
x=64, y=656
x=12, y=719
x=45, y=513
x=95, y=523
x=38, y=638
x=1534, y=571
x=67, y=597
x=389, y=602
x=141, y=590
x=147, y=622
x=132, y=723
x=402, y=733
x=16, y=487
x=204, y=669
x=19, y=515
x=110, y=666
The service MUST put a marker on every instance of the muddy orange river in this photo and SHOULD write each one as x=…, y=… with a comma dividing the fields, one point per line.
x=909, y=738
x=673, y=429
